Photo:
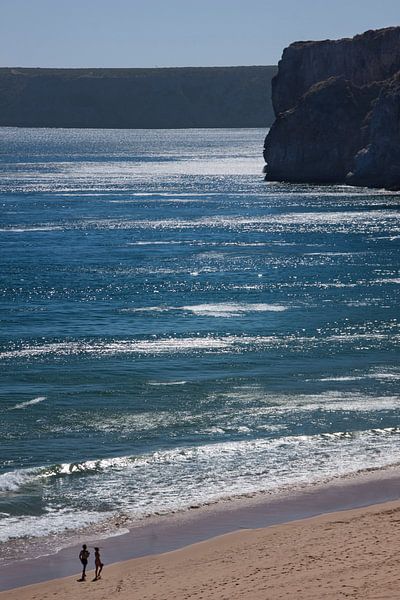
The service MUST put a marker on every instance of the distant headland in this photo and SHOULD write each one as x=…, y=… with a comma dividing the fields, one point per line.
x=137, y=98
x=337, y=109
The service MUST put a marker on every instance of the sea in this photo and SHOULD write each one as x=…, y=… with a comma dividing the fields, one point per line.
x=176, y=332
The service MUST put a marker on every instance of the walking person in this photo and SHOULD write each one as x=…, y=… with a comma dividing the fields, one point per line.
x=83, y=557
x=98, y=564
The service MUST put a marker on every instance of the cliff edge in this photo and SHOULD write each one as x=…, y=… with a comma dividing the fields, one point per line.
x=337, y=112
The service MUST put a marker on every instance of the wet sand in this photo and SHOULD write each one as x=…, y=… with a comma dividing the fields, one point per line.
x=348, y=554
x=169, y=534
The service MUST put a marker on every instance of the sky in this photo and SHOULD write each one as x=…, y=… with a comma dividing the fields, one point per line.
x=173, y=33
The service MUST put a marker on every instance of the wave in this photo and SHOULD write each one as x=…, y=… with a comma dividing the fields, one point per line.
x=231, y=309
x=339, y=401
x=144, y=309
x=276, y=221
x=362, y=376
x=172, y=195
x=342, y=378
x=388, y=280
x=51, y=523
x=306, y=220
x=170, y=345
x=223, y=309
x=166, y=383
x=13, y=481
x=31, y=229
x=21, y=478
x=201, y=199
x=209, y=343
x=209, y=243
x=259, y=411
x=156, y=243
x=29, y=403
x=167, y=481
x=256, y=403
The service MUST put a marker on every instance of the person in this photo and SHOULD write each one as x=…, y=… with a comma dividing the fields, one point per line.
x=98, y=564
x=83, y=557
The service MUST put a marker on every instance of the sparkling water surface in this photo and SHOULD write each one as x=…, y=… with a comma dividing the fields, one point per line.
x=175, y=331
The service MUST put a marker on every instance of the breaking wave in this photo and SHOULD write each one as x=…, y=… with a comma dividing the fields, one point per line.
x=223, y=309
x=29, y=403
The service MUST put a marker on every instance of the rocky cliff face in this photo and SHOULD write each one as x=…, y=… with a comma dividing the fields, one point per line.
x=337, y=109
x=377, y=164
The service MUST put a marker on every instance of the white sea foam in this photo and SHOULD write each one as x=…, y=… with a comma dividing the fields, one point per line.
x=385, y=375
x=342, y=378
x=335, y=253
x=169, y=480
x=154, y=243
x=256, y=403
x=166, y=383
x=231, y=309
x=144, y=309
x=395, y=280
x=223, y=309
x=14, y=480
x=363, y=376
x=348, y=402
x=29, y=403
x=31, y=229
x=48, y=524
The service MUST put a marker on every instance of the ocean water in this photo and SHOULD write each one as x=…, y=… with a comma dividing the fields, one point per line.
x=175, y=331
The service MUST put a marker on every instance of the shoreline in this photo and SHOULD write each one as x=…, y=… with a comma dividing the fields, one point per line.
x=348, y=554
x=178, y=531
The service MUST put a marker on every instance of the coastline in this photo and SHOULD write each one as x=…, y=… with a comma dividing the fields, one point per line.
x=173, y=533
x=348, y=554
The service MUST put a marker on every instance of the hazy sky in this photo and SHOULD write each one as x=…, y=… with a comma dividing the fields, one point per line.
x=147, y=33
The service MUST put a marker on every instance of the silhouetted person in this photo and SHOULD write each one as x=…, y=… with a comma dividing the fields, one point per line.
x=83, y=557
x=98, y=564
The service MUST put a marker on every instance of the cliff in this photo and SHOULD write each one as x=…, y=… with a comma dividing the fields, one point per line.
x=137, y=98
x=337, y=112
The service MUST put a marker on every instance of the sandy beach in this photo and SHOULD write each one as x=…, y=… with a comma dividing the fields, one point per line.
x=347, y=554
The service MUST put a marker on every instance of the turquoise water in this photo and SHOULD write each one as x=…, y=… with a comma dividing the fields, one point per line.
x=175, y=331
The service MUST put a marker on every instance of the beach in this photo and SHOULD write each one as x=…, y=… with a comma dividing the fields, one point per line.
x=335, y=540
x=347, y=554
